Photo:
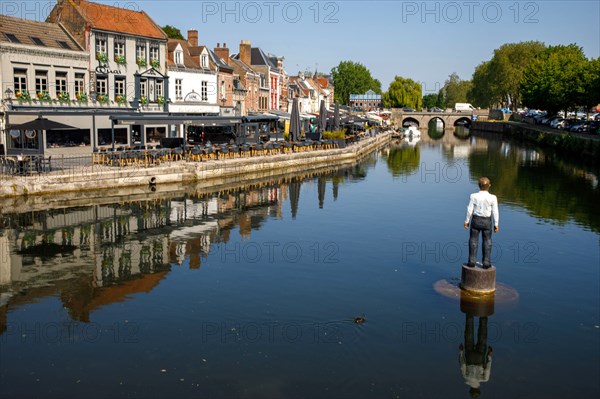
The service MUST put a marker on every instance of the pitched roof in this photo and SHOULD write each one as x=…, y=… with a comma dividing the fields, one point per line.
x=242, y=65
x=219, y=61
x=188, y=60
x=35, y=33
x=258, y=57
x=114, y=19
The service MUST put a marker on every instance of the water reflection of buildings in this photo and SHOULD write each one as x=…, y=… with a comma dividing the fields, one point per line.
x=475, y=356
x=91, y=256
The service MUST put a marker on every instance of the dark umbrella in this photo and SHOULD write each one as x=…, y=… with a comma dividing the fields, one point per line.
x=336, y=117
x=294, y=188
x=322, y=117
x=40, y=123
x=295, y=121
x=321, y=187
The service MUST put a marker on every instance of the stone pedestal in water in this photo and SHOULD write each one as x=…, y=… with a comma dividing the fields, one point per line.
x=477, y=280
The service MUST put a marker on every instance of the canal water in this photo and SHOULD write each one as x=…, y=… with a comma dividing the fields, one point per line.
x=261, y=290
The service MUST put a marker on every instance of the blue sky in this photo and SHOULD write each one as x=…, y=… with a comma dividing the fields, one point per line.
x=425, y=41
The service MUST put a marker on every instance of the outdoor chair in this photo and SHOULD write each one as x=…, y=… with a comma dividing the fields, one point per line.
x=196, y=153
x=245, y=150
x=234, y=150
x=276, y=148
x=176, y=154
x=224, y=149
x=208, y=151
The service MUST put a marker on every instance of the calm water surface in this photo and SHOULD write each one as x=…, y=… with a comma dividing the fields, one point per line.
x=253, y=291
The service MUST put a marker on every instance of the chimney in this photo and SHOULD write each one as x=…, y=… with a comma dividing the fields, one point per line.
x=193, y=37
x=223, y=52
x=245, y=52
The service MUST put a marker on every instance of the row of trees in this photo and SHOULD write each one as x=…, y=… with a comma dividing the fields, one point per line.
x=533, y=75
x=354, y=78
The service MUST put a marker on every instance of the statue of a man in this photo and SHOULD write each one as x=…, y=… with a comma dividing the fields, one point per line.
x=482, y=214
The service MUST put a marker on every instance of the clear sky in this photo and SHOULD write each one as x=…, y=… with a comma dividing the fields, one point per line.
x=422, y=40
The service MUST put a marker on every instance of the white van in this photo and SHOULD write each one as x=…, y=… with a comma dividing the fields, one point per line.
x=463, y=107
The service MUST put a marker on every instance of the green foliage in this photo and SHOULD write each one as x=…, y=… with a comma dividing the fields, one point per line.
x=431, y=100
x=498, y=81
x=403, y=92
x=482, y=92
x=352, y=78
x=172, y=32
x=538, y=188
x=334, y=135
x=553, y=80
x=455, y=90
x=589, y=76
x=403, y=160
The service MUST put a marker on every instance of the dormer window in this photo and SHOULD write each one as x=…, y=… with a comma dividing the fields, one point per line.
x=178, y=57
x=204, y=61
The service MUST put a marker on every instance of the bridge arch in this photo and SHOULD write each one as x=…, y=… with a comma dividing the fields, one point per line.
x=464, y=121
x=436, y=127
x=406, y=122
x=435, y=119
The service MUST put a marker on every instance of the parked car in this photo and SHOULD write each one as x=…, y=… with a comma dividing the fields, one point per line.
x=554, y=122
x=568, y=123
x=577, y=126
x=589, y=126
x=407, y=109
x=436, y=109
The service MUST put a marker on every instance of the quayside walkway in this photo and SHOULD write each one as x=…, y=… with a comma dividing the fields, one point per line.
x=109, y=171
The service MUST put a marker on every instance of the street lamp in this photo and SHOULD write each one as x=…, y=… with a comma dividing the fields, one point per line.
x=8, y=94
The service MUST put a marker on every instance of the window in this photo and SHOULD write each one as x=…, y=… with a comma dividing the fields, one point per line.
x=100, y=45
x=37, y=41
x=154, y=53
x=64, y=44
x=143, y=87
x=12, y=38
x=41, y=81
x=140, y=53
x=101, y=85
x=159, y=88
x=204, y=61
x=120, y=87
x=223, y=94
x=178, y=95
x=204, y=91
x=61, y=82
x=20, y=80
x=119, y=49
x=179, y=57
x=79, y=83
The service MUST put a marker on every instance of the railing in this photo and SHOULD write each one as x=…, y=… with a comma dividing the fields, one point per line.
x=39, y=165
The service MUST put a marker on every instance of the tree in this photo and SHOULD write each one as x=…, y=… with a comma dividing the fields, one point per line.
x=498, y=80
x=553, y=81
x=482, y=92
x=403, y=92
x=352, y=78
x=507, y=67
x=172, y=32
x=590, y=77
x=455, y=90
x=430, y=100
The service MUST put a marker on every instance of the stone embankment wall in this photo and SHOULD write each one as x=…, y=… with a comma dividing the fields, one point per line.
x=585, y=145
x=102, y=177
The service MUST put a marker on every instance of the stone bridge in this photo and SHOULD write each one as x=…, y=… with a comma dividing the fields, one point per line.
x=422, y=119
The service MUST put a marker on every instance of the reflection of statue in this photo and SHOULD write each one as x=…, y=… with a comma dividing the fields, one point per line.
x=475, y=363
x=482, y=207
x=475, y=356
